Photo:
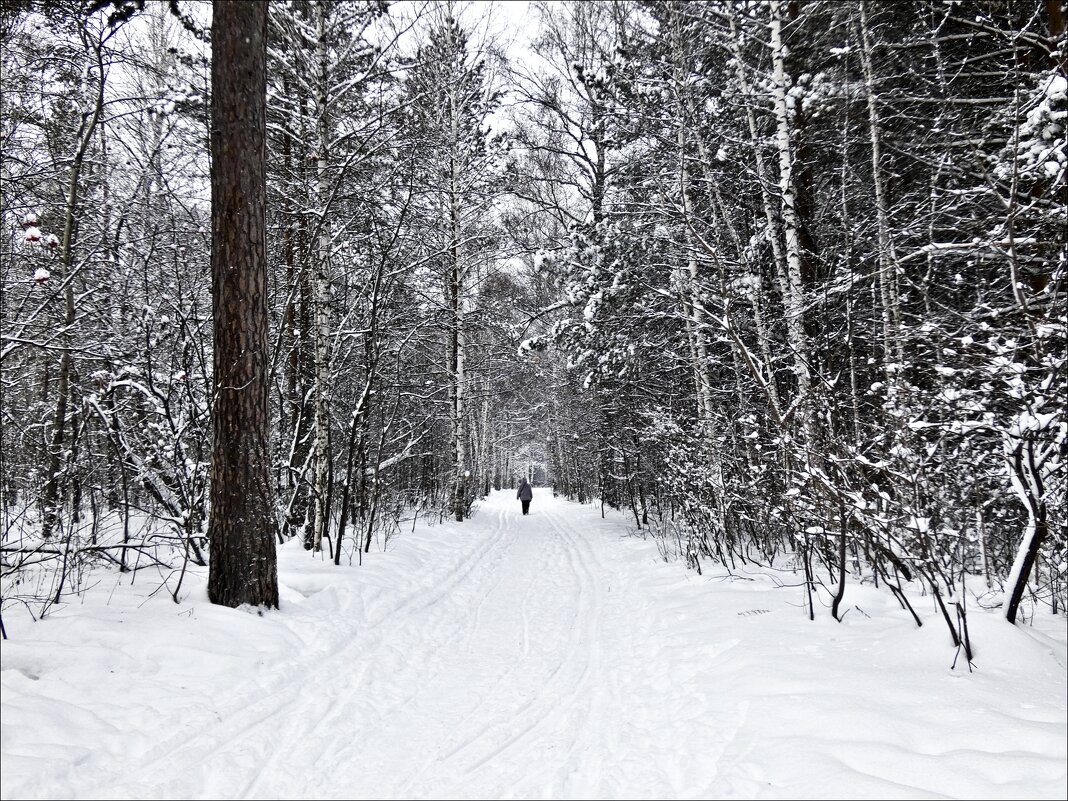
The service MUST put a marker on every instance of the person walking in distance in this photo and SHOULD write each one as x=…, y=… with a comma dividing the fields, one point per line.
x=525, y=494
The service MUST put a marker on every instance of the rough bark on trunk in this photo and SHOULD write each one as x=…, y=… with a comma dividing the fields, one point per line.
x=243, y=525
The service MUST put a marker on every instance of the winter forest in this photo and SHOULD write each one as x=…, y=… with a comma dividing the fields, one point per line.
x=775, y=288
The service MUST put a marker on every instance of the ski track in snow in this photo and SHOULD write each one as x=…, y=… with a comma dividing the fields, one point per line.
x=545, y=657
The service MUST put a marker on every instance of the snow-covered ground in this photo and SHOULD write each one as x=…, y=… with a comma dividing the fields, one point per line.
x=510, y=656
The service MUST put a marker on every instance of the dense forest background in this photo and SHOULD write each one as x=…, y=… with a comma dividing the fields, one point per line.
x=785, y=280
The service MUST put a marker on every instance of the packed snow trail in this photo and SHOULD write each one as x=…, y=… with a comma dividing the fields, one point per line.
x=493, y=684
x=544, y=656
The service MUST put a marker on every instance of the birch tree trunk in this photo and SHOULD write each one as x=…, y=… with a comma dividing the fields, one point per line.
x=771, y=220
x=888, y=289
x=762, y=172
x=321, y=291
x=456, y=358
x=793, y=297
x=456, y=304
x=693, y=308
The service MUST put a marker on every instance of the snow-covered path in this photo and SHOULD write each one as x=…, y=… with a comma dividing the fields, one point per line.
x=510, y=676
x=515, y=656
x=473, y=686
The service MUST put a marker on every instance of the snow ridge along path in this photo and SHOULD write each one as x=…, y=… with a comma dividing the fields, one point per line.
x=548, y=656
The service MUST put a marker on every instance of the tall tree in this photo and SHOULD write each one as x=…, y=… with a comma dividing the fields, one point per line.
x=243, y=525
x=452, y=96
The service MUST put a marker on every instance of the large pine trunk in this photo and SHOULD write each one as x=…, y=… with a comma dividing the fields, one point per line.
x=243, y=525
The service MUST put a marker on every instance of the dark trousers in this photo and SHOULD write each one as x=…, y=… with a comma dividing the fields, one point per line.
x=526, y=507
